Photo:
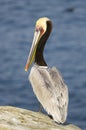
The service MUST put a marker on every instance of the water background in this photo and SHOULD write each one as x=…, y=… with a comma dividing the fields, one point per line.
x=65, y=49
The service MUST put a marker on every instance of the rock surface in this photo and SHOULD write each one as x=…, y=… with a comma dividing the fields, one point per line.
x=12, y=118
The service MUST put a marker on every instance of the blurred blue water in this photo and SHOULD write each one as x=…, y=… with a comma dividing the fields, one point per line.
x=66, y=49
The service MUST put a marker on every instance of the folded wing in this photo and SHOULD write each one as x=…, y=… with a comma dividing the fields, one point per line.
x=51, y=91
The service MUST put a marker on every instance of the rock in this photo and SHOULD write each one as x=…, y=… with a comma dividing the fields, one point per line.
x=12, y=118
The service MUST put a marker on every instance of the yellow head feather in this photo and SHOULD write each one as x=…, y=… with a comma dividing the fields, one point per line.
x=42, y=22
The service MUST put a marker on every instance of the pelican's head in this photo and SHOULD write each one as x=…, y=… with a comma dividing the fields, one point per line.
x=40, y=30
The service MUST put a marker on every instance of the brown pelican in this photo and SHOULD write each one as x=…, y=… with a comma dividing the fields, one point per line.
x=47, y=83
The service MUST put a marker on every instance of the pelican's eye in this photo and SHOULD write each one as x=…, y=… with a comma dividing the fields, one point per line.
x=40, y=29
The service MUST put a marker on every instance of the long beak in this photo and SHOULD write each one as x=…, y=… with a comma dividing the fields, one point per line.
x=33, y=50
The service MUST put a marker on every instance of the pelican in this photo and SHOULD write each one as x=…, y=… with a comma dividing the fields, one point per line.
x=47, y=83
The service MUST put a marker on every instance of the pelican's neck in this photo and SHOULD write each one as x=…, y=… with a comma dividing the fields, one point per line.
x=39, y=59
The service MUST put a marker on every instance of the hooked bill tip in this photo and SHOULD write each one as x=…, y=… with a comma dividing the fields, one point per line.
x=26, y=68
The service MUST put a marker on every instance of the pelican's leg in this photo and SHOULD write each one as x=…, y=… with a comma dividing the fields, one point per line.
x=40, y=108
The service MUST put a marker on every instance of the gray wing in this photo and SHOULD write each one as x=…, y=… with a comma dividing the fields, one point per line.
x=51, y=91
x=60, y=93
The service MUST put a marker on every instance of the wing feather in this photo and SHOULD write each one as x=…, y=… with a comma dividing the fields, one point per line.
x=51, y=91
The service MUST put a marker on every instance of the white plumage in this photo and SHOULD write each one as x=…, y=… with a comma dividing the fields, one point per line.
x=50, y=90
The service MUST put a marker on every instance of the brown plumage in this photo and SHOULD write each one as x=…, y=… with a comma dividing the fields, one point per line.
x=47, y=83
